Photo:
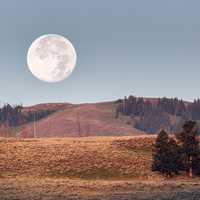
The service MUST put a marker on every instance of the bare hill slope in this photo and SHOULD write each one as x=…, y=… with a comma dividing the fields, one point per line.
x=79, y=120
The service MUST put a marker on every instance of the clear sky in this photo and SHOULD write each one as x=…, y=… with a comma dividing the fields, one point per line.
x=146, y=48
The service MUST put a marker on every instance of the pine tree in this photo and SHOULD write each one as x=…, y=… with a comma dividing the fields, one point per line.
x=190, y=150
x=165, y=155
x=175, y=162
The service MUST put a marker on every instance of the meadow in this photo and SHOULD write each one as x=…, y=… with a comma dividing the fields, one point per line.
x=86, y=168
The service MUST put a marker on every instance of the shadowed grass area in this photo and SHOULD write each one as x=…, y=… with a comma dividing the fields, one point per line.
x=95, y=173
x=67, y=189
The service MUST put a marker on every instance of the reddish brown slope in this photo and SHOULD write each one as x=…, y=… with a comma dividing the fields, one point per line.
x=94, y=119
x=47, y=106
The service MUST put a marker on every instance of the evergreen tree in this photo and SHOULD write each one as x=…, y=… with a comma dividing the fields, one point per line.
x=174, y=154
x=165, y=155
x=190, y=150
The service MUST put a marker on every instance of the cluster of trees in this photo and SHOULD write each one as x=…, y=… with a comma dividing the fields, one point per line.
x=12, y=116
x=172, y=155
x=152, y=115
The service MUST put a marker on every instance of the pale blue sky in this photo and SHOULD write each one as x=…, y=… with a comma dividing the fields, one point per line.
x=146, y=48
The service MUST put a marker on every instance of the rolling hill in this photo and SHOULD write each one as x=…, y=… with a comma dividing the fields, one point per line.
x=72, y=120
x=123, y=117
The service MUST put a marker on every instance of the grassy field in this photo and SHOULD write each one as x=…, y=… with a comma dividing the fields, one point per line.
x=86, y=168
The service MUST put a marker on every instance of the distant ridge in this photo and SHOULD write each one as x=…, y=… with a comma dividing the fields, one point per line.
x=99, y=119
x=94, y=119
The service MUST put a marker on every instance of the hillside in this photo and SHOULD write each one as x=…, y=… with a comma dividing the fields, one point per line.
x=70, y=120
x=152, y=114
x=46, y=106
x=123, y=117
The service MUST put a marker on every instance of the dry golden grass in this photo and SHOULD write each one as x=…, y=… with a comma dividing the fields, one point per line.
x=88, y=158
x=111, y=168
x=64, y=189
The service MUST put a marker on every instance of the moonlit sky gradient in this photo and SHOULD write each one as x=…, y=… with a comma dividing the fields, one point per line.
x=146, y=48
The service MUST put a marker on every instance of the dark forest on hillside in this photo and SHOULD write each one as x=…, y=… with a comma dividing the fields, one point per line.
x=151, y=116
x=12, y=116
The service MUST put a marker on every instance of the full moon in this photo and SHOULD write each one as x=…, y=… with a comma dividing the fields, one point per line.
x=51, y=58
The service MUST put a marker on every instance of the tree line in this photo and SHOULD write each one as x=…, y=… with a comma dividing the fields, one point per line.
x=152, y=115
x=13, y=116
x=173, y=155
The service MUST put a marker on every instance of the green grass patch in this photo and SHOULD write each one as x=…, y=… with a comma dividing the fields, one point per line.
x=94, y=173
